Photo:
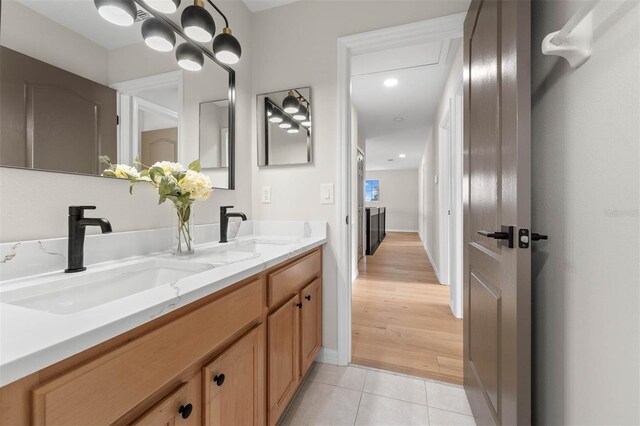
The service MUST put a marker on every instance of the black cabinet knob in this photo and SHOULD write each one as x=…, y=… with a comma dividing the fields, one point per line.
x=299, y=305
x=185, y=410
x=308, y=297
x=219, y=379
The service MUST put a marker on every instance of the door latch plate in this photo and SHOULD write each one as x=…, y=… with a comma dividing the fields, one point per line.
x=523, y=238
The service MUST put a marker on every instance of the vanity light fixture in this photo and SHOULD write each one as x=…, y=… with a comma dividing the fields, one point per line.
x=118, y=12
x=197, y=23
x=276, y=116
x=306, y=123
x=164, y=6
x=189, y=57
x=302, y=113
x=286, y=124
x=226, y=47
x=391, y=82
x=157, y=35
x=291, y=104
x=295, y=128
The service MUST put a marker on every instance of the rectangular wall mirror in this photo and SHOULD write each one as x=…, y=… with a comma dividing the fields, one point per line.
x=75, y=87
x=284, y=127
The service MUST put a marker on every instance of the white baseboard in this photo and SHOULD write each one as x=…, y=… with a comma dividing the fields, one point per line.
x=402, y=230
x=327, y=356
x=435, y=267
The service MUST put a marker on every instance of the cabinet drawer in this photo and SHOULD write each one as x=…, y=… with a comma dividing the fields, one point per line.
x=103, y=390
x=289, y=280
x=182, y=407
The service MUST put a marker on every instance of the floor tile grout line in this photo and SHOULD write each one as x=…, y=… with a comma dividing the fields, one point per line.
x=426, y=396
x=395, y=399
x=360, y=401
x=451, y=411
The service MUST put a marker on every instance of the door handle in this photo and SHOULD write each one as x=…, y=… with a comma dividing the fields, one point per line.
x=495, y=235
x=537, y=237
x=505, y=235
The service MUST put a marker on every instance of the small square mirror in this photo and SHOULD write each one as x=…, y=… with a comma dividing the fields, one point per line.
x=285, y=127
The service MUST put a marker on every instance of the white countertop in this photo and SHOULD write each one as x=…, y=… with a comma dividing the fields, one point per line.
x=31, y=340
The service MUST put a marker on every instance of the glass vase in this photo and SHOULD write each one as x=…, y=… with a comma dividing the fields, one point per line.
x=183, y=231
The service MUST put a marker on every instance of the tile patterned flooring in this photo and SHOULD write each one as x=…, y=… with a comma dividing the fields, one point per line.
x=355, y=395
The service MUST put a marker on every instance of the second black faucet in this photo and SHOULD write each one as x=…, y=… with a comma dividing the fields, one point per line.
x=224, y=221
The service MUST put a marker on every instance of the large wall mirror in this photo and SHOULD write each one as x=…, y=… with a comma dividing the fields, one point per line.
x=285, y=127
x=74, y=87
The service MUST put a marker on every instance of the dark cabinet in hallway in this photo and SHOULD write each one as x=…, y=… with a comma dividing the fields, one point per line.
x=376, y=231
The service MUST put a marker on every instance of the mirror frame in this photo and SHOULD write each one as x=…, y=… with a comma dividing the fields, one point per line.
x=310, y=147
x=231, y=98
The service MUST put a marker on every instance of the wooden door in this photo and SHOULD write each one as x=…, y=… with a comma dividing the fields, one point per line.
x=497, y=278
x=284, y=356
x=360, y=205
x=310, y=325
x=234, y=383
x=180, y=408
x=53, y=119
x=159, y=145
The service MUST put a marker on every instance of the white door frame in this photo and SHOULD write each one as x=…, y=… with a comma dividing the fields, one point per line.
x=433, y=29
x=129, y=104
x=444, y=184
x=456, y=225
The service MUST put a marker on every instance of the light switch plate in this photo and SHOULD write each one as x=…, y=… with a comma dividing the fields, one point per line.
x=326, y=193
x=266, y=195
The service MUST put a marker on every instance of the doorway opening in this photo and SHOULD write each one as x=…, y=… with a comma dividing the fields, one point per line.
x=400, y=123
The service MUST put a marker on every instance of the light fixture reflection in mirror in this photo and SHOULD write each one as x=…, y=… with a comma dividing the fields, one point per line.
x=164, y=6
x=118, y=12
x=157, y=35
x=189, y=57
x=291, y=104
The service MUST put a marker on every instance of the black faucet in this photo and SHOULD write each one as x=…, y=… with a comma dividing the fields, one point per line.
x=77, y=225
x=224, y=221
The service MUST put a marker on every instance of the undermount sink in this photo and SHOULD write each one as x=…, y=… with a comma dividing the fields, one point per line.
x=73, y=293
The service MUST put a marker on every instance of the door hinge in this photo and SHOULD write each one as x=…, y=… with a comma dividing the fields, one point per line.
x=347, y=220
x=117, y=120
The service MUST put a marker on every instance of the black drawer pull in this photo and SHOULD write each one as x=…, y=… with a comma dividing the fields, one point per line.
x=219, y=379
x=185, y=411
x=308, y=297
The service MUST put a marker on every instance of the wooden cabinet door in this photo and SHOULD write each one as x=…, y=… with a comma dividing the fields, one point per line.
x=284, y=356
x=234, y=383
x=310, y=325
x=181, y=408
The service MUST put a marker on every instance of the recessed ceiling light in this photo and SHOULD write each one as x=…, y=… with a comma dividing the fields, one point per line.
x=390, y=82
x=402, y=155
x=398, y=119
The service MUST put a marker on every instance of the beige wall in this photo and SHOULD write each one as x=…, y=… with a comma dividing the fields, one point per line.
x=586, y=187
x=430, y=168
x=33, y=204
x=296, y=46
x=399, y=194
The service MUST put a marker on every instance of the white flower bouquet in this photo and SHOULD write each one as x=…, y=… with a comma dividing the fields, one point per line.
x=183, y=186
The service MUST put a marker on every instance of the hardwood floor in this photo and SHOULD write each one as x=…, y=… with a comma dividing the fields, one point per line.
x=401, y=319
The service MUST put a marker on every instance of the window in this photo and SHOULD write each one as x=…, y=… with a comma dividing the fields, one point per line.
x=372, y=190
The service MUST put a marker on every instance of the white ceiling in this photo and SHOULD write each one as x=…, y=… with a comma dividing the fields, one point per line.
x=81, y=17
x=397, y=120
x=260, y=5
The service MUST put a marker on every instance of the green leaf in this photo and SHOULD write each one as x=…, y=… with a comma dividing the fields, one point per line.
x=195, y=166
x=109, y=173
x=137, y=159
x=144, y=173
x=104, y=159
x=155, y=172
x=187, y=213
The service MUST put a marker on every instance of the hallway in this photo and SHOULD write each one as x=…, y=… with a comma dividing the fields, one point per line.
x=401, y=320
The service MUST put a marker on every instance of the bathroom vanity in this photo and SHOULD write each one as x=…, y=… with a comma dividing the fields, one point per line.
x=224, y=345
